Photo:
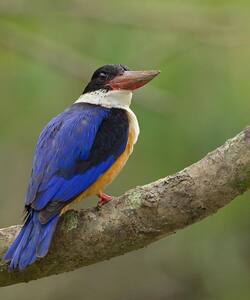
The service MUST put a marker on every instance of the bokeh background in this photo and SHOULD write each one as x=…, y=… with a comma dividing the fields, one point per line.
x=48, y=50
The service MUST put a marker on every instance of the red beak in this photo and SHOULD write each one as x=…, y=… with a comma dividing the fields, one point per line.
x=132, y=80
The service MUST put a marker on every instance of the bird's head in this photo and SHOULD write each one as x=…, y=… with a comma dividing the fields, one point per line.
x=112, y=86
x=118, y=77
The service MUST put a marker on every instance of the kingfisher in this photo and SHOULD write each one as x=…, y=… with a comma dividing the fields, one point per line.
x=78, y=154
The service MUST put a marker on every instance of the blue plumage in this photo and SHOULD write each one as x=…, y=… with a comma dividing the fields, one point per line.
x=73, y=151
x=33, y=241
x=68, y=138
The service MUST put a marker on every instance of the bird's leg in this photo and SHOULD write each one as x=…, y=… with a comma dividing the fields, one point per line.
x=104, y=198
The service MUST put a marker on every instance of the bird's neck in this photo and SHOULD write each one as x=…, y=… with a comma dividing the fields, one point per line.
x=110, y=99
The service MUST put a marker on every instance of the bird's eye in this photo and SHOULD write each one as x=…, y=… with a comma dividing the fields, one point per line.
x=103, y=75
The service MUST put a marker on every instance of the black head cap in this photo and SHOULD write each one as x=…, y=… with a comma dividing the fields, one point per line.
x=103, y=75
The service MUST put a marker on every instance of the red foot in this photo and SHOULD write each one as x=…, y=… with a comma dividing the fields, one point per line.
x=104, y=198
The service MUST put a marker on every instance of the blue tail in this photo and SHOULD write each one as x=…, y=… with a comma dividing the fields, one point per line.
x=32, y=242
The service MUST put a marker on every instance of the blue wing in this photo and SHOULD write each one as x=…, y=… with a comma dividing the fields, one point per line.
x=75, y=148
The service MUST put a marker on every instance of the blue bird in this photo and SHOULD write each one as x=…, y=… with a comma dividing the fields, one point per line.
x=78, y=153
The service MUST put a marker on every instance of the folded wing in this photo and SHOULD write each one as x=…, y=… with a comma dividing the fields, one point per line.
x=73, y=151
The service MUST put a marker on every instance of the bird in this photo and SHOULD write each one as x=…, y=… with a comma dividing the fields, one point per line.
x=77, y=155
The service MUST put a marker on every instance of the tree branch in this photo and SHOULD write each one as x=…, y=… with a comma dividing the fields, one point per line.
x=142, y=215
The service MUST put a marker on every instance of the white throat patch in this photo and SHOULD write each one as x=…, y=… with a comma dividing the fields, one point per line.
x=116, y=99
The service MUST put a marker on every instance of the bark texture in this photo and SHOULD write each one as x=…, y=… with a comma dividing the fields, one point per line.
x=142, y=215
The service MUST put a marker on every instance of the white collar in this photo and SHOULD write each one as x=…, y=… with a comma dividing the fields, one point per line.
x=110, y=99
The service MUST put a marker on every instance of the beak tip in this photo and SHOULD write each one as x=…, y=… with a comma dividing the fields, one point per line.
x=155, y=73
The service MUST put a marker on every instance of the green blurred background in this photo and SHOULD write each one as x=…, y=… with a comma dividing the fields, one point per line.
x=49, y=49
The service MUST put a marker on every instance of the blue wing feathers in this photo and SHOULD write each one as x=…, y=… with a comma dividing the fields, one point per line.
x=67, y=138
x=45, y=196
x=81, y=182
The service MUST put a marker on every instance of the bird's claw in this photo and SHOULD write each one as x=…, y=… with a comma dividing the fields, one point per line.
x=104, y=199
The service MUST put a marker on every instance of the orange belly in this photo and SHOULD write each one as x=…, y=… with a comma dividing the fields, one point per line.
x=109, y=175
